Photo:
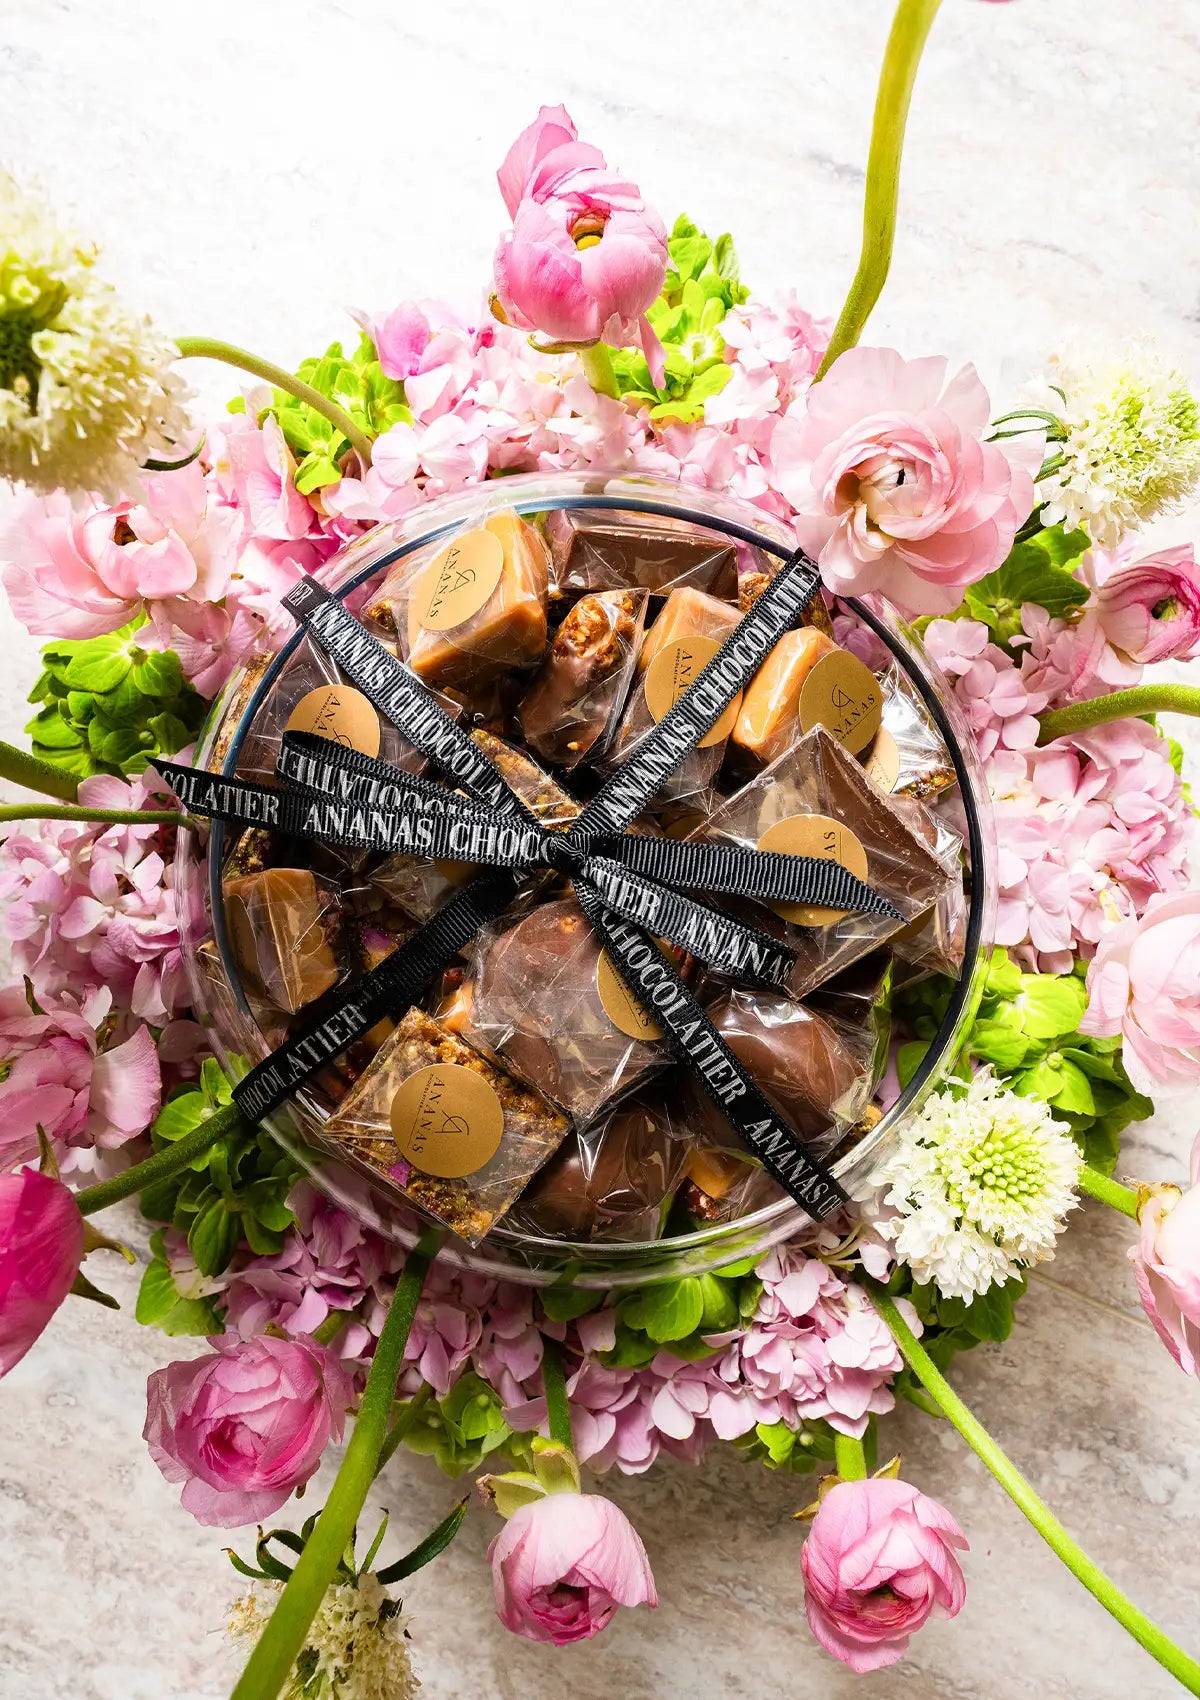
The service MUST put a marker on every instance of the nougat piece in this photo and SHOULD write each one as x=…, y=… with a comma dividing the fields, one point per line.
x=507, y=630
x=608, y=1181
x=571, y=705
x=605, y=549
x=530, y=1130
x=283, y=924
x=771, y=703
x=687, y=613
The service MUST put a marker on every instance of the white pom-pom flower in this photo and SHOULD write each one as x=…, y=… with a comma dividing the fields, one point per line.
x=356, y=1647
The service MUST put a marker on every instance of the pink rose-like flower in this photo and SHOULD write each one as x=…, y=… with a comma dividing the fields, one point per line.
x=562, y=1565
x=1166, y=1267
x=585, y=256
x=41, y=1244
x=245, y=1426
x=895, y=489
x=1151, y=610
x=878, y=1563
x=1144, y=983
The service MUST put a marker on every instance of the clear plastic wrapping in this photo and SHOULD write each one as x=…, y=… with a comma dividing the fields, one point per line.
x=768, y=720
x=285, y=929
x=610, y=1180
x=572, y=705
x=908, y=743
x=605, y=549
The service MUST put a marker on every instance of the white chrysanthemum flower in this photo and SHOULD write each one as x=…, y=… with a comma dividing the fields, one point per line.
x=87, y=396
x=1132, y=447
x=356, y=1648
x=979, y=1184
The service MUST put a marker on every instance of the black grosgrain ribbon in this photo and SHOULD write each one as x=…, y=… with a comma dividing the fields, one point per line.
x=625, y=883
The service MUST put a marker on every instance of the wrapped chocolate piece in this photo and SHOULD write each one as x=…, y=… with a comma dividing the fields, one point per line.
x=754, y=575
x=936, y=942
x=604, y=549
x=908, y=756
x=676, y=649
x=610, y=1181
x=475, y=608
x=545, y=1000
x=420, y=886
x=769, y=717
x=283, y=928
x=455, y=1134
x=817, y=800
x=573, y=703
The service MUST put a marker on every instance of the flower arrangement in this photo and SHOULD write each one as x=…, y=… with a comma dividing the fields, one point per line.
x=154, y=561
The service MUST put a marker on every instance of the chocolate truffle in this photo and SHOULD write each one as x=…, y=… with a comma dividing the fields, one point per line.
x=609, y=1181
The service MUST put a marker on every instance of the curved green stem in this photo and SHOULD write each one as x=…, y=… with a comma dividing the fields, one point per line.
x=849, y=1458
x=208, y=348
x=902, y=55
x=36, y=775
x=1181, y=1665
x=554, y=1383
x=283, y=1638
x=1110, y=1192
x=598, y=369
x=1118, y=705
x=166, y=1162
x=96, y=817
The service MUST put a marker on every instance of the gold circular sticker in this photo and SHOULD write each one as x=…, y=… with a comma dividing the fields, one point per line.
x=458, y=581
x=673, y=669
x=843, y=695
x=447, y=1120
x=882, y=761
x=821, y=836
x=339, y=713
x=620, y=1005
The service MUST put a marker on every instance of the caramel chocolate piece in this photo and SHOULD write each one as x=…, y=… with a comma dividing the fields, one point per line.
x=571, y=703
x=509, y=630
x=771, y=702
x=687, y=613
x=609, y=1181
x=609, y=550
x=281, y=926
x=471, y=1203
x=752, y=584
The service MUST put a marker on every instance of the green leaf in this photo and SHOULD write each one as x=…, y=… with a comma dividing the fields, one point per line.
x=564, y=1304
x=158, y=673
x=999, y=1044
x=316, y=472
x=100, y=664
x=1050, y=1005
x=213, y=1237
x=909, y=1058
x=670, y=1310
x=779, y=1440
x=632, y=1350
x=434, y=1543
x=214, y=1084
x=159, y=1304
x=719, y=1305
x=1035, y=571
x=989, y=1316
x=178, y=1117
x=1075, y=1090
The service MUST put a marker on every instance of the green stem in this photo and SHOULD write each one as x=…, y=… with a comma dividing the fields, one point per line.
x=1181, y=1666
x=902, y=55
x=166, y=1162
x=1118, y=705
x=554, y=1384
x=598, y=369
x=96, y=817
x=283, y=1638
x=208, y=348
x=849, y=1458
x=36, y=775
x=403, y=1424
x=1110, y=1192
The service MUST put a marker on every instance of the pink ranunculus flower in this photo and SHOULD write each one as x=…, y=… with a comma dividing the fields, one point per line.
x=41, y=1245
x=585, y=256
x=1166, y=1267
x=878, y=1563
x=246, y=1425
x=1144, y=983
x=1151, y=610
x=896, y=490
x=562, y=1565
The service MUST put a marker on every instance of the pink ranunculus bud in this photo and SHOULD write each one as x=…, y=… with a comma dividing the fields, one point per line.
x=878, y=1563
x=895, y=487
x=1144, y=984
x=1151, y=610
x=41, y=1247
x=1166, y=1267
x=563, y=1564
x=585, y=256
x=246, y=1425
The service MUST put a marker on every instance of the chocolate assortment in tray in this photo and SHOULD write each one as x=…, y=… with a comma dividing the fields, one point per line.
x=529, y=1092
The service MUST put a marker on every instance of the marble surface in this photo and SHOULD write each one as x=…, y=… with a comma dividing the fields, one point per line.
x=252, y=175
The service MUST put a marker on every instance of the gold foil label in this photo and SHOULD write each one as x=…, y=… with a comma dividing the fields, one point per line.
x=882, y=761
x=620, y=1005
x=447, y=1120
x=821, y=836
x=673, y=670
x=339, y=713
x=843, y=695
x=458, y=581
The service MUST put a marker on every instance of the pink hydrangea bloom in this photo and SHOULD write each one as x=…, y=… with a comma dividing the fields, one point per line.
x=894, y=487
x=878, y=1563
x=41, y=1246
x=1144, y=984
x=562, y=1565
x=63, y=1072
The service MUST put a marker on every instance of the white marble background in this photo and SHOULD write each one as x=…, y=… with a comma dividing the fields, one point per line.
x=251, y=169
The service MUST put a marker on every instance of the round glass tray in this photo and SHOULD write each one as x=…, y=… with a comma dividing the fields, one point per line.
x=220, y=1001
